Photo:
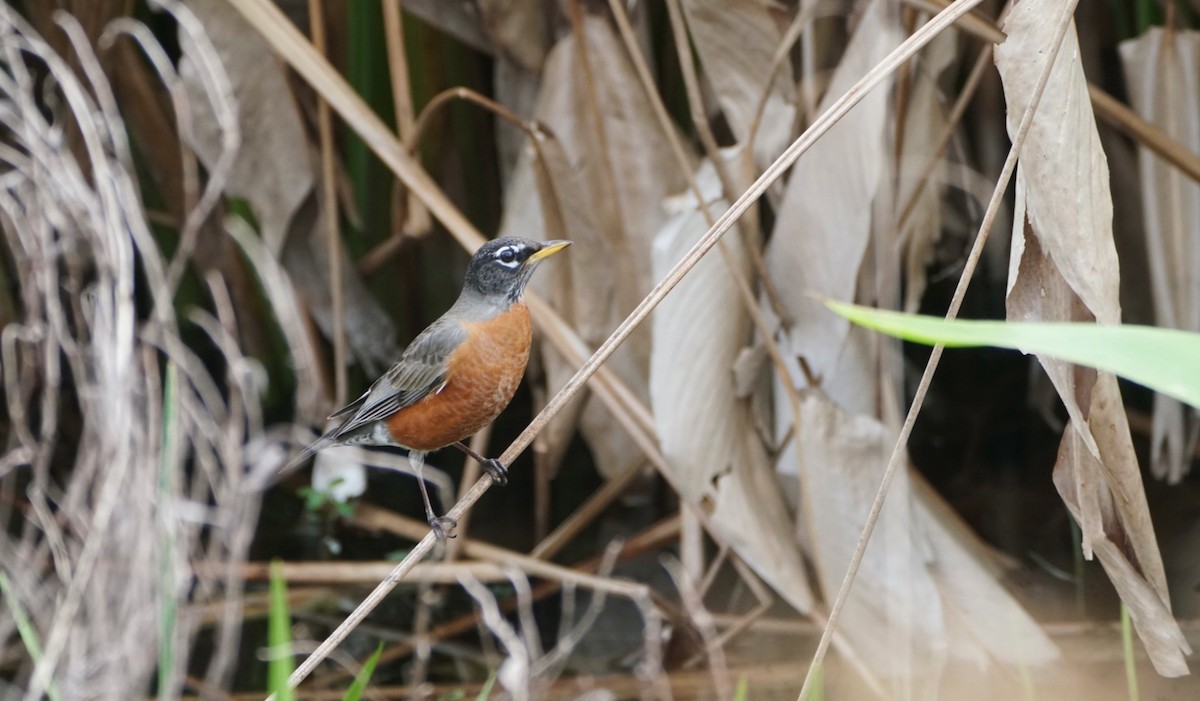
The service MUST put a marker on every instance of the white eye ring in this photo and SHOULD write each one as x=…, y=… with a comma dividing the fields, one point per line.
x=507, y=256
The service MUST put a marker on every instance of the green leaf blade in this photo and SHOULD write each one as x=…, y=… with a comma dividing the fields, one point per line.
x=1164, y=360
x=355, y=692
x=279, y=637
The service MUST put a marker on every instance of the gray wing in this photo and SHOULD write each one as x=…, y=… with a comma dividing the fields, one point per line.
x=421, y=370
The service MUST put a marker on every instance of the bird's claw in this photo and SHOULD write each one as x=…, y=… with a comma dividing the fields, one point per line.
x=496, y=471
x=443, y=527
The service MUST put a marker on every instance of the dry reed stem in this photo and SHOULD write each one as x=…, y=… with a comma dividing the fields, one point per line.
x=416, y=221
x=899, y=454
x=612, y=211
x=743, y=622
x=375, y=258
x=287, y=42
x=701, y=618
x=365, y=572
x=329, y=211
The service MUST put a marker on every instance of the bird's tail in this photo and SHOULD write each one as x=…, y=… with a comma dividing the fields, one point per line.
x=310, y=450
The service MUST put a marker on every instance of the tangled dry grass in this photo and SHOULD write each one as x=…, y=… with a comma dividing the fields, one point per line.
x=129, y=457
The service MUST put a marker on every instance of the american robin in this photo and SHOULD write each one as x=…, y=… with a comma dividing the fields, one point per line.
x=458, y=374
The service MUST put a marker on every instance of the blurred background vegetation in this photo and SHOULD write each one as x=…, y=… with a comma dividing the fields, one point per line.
x=225, y=218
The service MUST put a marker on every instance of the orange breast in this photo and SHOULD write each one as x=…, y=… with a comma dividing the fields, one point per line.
x=482, y=375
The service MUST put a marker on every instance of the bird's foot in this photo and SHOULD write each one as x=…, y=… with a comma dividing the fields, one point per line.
x=496, y=470
x=443, y=527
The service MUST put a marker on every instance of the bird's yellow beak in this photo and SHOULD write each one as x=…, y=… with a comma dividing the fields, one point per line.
x=548, y=249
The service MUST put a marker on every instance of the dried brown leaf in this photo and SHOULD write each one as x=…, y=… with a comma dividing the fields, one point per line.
x=273, y=170
x=925, y=592
x=704, y=428
x=1063, y=267
x=1148, y=609
x=825, y=218
x=735, y=42
x=1162, y=70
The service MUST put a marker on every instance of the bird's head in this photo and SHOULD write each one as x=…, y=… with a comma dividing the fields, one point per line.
x=501, y=268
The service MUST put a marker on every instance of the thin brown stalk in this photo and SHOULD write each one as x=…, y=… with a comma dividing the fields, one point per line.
x=608, y=181
x=329, y=209
x=702, y=622
x=1145, y=133
x=587, y=512
x=363, y=572
x=532, y=129
x=416, y=220
x=687, y=69
x=381, y=253
x=803, y=18
x=899, y=453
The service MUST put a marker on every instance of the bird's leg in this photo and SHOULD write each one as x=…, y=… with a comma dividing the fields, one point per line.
x=443, y=526
x=492, y=466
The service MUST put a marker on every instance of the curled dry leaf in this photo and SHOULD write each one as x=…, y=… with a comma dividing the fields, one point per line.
x=704, y=427
x=609, y=193
x=1064, y=268
x=1162, y=70
x=825, y=218
x=735, y=42
x=925, y=592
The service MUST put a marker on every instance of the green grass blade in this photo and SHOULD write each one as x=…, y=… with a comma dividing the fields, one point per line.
x=25, y=629
x=486, y=691
x=279, y=637
x=742, y=691
x=168, y=605
x=1162, y=359
x=355, y=692
x=817, y=691
x=1127, y=647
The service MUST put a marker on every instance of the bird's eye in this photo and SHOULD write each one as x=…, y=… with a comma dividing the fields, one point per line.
x=506, y=255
